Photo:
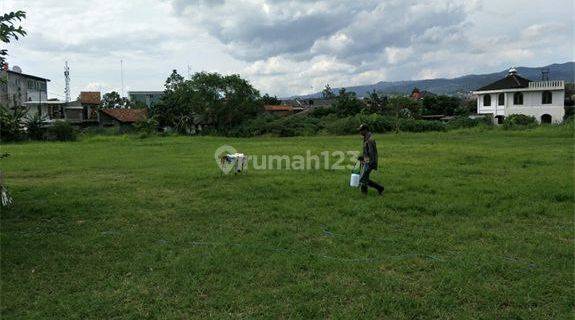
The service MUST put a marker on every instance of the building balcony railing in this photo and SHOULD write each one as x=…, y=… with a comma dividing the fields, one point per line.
x=552, y=84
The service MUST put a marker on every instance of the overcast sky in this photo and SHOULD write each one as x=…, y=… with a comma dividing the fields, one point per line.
x=285, y=47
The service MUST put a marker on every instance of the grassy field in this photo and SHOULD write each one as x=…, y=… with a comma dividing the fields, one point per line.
x=473, y=225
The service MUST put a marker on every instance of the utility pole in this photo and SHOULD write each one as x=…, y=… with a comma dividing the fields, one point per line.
x=545, y=74
x=122, y=75
x=67, y=83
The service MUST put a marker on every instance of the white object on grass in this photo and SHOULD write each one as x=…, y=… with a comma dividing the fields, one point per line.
x=238, y=160
x=6, y=199
x=354, y=180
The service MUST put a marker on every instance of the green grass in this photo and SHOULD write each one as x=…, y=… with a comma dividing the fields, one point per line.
x=474, y=225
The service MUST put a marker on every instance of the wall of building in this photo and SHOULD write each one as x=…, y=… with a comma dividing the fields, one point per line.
x=108, y=121
x=47, y=111
x=105, y=120
x=74, y=115
x=149, y=98
x=19, y=88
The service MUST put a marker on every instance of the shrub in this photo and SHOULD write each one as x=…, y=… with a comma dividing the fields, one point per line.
x=569, y=124
x=464, y=122
x=99, y=131
x=11, y=125
x=569, y=112
x=250, y=128
x=341, y=126
x=294, y=126
x=62, y=131
x=347, y=104
x=35, y=127
x=411, y=125
x=322, y=112
x=519, y=121
x=379, y=124
x=146, y=127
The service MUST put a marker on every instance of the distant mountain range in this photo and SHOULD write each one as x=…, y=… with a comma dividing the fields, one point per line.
x=460, y=85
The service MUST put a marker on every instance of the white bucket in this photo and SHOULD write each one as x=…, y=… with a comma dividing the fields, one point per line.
x=354, y=180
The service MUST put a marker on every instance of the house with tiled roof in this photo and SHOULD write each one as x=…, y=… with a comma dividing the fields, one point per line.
x=90, y=97
x=84, y=111
x=417, y=94
x=122, y=119
x=514, y=94
x=282, y=109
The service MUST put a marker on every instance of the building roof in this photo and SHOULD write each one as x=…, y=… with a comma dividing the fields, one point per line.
x=146, y=92
x=126, y=115
x=44, y=102
x=90, y=97
x=417, y=94
x=511, y=81
x=27, y=75
x=277, y=108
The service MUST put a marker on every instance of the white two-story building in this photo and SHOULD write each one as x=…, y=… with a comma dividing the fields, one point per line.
x=544, y=100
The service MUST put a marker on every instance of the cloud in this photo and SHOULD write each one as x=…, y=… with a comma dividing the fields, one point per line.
x=340, y=42
x=355, y=31
x=286, y=47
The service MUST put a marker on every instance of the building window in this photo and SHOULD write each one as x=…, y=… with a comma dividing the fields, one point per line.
x=487, y=100
x=518, y=98
x=546, y=118
x=547, y=97
x=501, y=99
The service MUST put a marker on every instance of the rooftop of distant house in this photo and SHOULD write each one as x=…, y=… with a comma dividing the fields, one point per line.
x=126, y=115
x=27, y=75
x=511, y=81
x=145, y=92
x=278, y=108
x=90, y=97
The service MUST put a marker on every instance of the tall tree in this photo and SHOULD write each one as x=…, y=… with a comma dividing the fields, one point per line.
x=444, y=105
x=269, y=100
x=174, y=81
x=401, y=107
x=112, y=100
x=222, y=101
x=327, y=92
x=9, y=30
x=347, y=104
x=173, y=110
x=376, y=102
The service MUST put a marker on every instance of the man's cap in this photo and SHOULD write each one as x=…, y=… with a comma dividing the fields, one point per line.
x=362, y=127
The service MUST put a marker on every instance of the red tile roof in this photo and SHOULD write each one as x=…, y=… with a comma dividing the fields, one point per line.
x=90, y=97
x=277, y=108
x=127, y=115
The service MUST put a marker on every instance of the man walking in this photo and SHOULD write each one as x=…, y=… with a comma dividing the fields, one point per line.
x=368, y=161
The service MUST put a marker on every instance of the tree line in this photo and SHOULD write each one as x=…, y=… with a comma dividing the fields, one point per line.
x=224, y=102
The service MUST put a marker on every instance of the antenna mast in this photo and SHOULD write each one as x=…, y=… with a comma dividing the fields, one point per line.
x=67, y=82
x=122, y=75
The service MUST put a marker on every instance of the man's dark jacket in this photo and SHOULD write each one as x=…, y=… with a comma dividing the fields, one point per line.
x=370, y=151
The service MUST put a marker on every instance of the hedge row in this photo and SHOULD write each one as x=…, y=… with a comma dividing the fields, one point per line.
x=302, y=125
